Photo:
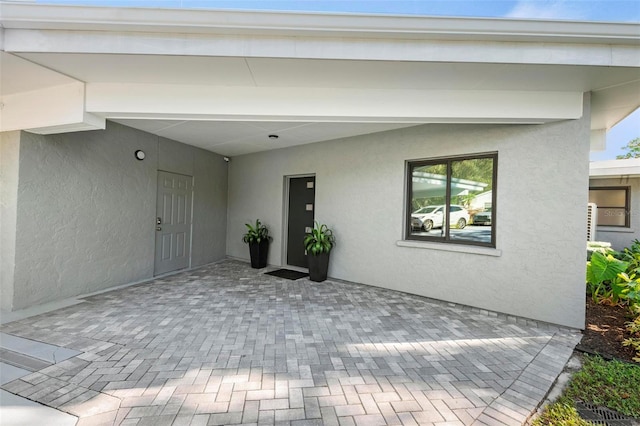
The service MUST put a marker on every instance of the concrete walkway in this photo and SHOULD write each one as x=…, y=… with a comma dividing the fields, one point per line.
x=225, y=344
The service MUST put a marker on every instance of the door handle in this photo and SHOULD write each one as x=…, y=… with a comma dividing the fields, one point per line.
x=158, y=228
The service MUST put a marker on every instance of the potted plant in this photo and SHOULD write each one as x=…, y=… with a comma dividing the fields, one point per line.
x=318, y=245
x=258, y=239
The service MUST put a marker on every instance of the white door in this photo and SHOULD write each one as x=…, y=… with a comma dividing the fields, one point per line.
x=173, y=222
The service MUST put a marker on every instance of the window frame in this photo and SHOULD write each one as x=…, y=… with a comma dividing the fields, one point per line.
x=627, y=202
x=410, y=165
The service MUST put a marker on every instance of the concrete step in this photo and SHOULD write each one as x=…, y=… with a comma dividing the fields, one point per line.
x=22, y=361
x=50, y=354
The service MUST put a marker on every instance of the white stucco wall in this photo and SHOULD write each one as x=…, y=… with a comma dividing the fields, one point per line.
x=86, y=210
x=541, y=219
x=621, y=237
x=9, y=166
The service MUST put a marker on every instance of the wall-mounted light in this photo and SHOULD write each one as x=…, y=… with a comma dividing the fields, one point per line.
x=139, y=155
x=227, y=159
x=273, y=136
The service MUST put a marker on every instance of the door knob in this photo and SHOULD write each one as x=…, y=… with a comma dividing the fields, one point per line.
x=158, y=228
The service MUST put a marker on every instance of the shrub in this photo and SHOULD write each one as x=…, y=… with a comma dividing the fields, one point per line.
x=602, y=269
x=634, y=328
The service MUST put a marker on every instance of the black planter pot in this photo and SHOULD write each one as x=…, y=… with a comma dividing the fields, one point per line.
x=259, y=252
x=318, y=266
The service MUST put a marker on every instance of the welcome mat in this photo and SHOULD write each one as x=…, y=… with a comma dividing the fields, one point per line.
x=287, y=274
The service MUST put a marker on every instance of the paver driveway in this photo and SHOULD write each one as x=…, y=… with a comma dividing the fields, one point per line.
x=225, y=344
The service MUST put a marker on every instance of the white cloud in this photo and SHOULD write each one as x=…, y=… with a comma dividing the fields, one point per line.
x=544, y=9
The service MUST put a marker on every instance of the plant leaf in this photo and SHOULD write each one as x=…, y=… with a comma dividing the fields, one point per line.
x=604, y=268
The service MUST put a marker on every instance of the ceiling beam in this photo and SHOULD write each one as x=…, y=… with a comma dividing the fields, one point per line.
x=114, y=100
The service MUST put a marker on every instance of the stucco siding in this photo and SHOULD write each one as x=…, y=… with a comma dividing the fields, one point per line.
x=210, y=205
x=541, y=189
x=86, y=211
x=621, y=237
x=9, y=167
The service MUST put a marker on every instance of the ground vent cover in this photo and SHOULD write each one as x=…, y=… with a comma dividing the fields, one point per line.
x=604, y=416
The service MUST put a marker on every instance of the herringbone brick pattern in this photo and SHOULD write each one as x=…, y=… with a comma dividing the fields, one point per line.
x=225, y=344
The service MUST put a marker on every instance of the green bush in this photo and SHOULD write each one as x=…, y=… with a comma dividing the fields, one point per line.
x=602, y=269
x=615, y=276
x=634, y=328
x=561, y=412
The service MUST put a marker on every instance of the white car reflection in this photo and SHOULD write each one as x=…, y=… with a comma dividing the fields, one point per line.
x=430, y=217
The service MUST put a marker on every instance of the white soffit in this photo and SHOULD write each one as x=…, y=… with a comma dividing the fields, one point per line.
x=224, y=80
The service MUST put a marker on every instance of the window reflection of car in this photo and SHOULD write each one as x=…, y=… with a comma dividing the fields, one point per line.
x=427, y=218
x=482, y=218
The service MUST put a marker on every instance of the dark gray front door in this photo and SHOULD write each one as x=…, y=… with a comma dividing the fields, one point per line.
x=173, y=222
x=302, y=196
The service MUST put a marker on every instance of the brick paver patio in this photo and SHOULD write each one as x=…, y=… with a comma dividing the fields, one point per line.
x=225, y=344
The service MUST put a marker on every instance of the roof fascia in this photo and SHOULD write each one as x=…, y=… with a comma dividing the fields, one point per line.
x=615, y=168
x=65, y=17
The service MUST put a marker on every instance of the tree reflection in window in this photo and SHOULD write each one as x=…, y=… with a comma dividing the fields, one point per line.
x=444, y=196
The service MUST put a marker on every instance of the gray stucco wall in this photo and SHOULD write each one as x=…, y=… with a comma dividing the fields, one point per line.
x=621, y=237
x=542, y=190
x=9, y=167
x=86, y=210
x=208, y=242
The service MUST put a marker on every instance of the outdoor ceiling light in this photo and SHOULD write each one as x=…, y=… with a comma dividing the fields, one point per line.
x=139, y=155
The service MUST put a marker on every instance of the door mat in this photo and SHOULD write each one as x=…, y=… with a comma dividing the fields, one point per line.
x=287, y=274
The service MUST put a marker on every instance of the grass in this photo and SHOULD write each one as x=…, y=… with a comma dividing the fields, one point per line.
x=612, y=384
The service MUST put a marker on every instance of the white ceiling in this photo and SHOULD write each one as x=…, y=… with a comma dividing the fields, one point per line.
x=233, y=138
x=241, y=137
x=307, y=77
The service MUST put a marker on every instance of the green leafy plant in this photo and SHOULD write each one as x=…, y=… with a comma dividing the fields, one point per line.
x=627, y=288
x=319, y=240
x=256, y=233
x=635, y=345
x=633, y=327
x=562, y=412
x=601, y=271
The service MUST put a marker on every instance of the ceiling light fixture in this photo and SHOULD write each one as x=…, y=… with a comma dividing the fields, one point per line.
x=273, y=136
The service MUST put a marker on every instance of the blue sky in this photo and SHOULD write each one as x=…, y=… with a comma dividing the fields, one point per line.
x=583, y=10
x=593, y=10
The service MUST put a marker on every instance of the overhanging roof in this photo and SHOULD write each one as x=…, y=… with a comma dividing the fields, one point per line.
x=224, y=80
x=624, y=168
